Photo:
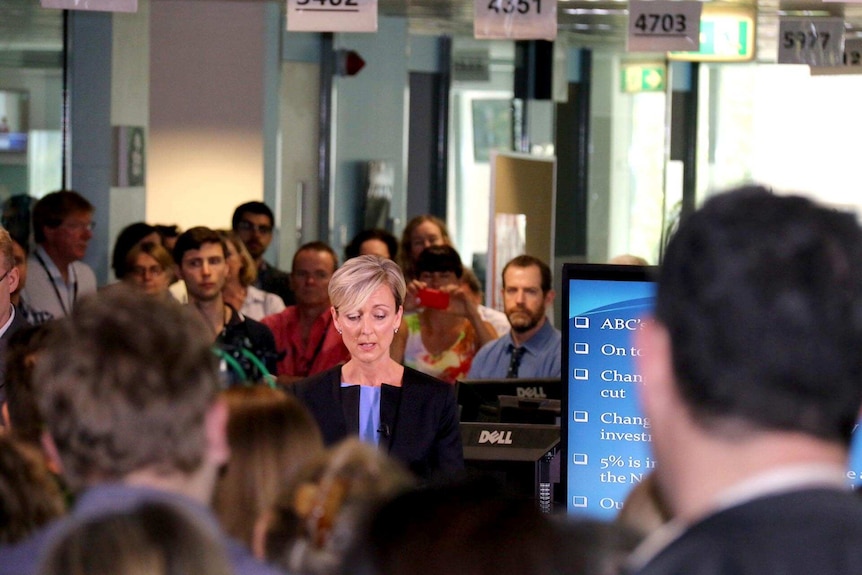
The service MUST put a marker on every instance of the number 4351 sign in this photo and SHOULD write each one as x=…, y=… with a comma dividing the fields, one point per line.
x=664, y=26
x=515, y=19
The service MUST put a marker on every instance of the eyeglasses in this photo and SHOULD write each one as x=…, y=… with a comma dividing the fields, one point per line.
x=79, y=226
x=3, y=277
x=262, y=229
x=142, y=272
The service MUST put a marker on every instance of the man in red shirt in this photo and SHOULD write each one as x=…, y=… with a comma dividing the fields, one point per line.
x=304, y=333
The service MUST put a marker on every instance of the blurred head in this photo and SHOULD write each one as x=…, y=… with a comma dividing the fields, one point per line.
x=241, y=266
x=419, y=233
x=150, y=268
x=29, y=496
x=151, y=539
x=374, y=242
x=465, y=529
x=129, y=384
x=313, y=266
x=131, y=236
x=526, y=292
x=25, y=419
x=439, y=266
x=760, y=296
x=628, y=260
x=271, y=436
x=318, y=515
x=200, y=259
x=253, y=222
x=63, y=224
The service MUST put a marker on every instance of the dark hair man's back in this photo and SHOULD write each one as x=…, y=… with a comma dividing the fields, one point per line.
x=752, y=378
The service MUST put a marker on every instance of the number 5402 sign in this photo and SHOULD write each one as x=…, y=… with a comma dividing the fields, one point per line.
x=664, y=26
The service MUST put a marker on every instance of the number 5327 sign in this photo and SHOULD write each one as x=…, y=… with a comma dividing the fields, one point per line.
x=664, y=26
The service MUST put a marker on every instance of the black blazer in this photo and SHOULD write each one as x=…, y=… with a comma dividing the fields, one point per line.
x=418, y=421
x=806, y=532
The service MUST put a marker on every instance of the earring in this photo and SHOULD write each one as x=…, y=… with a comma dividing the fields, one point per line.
x=339, y=331
x=396, y=330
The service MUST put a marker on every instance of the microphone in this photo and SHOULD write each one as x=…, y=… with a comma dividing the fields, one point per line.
x=384, y=429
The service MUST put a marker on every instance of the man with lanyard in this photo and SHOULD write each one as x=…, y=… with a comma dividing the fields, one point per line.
x=57, y=278
x=246, y=347
x=532, y=347
x=305, y=335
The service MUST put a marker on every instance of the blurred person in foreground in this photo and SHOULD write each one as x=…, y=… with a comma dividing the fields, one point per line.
x=150, y=539
x=407, y=414
x=752, y=385
x=319, y=514
x=128, y=390
x=271, y=436
x=472, y=528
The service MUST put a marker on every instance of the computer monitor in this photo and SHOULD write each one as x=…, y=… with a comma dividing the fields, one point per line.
x=519, y=400
x=604, y=437
x=510, y=430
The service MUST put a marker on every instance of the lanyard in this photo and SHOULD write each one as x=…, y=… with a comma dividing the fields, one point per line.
x=54, y=284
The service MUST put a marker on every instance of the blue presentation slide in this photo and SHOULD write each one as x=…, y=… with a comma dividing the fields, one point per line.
x=608, y=441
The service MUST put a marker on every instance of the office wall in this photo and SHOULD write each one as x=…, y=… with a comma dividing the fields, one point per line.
x=370, y=124
x=207, y=83
x=130, y=106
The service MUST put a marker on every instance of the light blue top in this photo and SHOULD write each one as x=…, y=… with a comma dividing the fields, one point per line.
x=369, y=413
x=541, y=357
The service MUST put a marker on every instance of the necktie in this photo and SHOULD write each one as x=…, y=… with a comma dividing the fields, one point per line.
x=515, y=361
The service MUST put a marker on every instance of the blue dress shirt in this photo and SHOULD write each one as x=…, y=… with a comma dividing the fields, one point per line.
x=541, y=357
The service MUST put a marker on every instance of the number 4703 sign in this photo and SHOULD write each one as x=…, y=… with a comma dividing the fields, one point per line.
x=664, y=26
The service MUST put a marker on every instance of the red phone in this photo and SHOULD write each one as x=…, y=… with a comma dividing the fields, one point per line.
x=433, y=298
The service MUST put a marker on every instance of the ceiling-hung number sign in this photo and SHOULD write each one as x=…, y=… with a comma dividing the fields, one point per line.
x=664, y=26
x=853, y=52
x=812, y=41
x=332, y=15
x=515, y=19
x=101, y=5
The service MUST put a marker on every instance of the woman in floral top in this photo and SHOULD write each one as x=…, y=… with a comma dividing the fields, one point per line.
x=442, y=342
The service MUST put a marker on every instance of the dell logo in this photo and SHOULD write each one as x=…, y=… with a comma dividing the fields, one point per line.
x=531, y=392
x=496, y=437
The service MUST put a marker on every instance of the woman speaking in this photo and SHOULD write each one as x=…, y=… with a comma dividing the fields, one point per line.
x=410, y=415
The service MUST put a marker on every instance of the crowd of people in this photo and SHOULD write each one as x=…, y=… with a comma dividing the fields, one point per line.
x=210, y=413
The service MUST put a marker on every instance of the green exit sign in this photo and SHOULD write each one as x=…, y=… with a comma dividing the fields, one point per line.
x=723, y=38
x=643, y=78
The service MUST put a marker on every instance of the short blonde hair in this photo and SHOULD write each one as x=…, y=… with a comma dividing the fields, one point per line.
x=354, y=282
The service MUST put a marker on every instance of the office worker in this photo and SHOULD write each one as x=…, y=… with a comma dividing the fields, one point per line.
x=532, y=346
x=63, y=228
x=408, y=414
x=751, y=373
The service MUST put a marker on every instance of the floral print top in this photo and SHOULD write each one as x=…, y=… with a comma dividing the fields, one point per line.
x=449, y=365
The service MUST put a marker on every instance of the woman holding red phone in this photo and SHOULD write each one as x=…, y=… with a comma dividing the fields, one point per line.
x=443, y=337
